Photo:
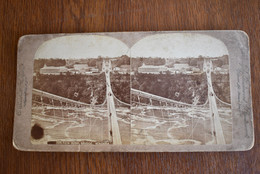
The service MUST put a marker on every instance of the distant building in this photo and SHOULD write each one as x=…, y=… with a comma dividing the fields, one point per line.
x=73, y=71
x=196, y=70
x=53, y=70
x=180, y=68
x=151, y=69
x=183, y=68
x=173, y=71
x=77, y=69
x=116, y=69
x=83, y=69
x=123, y=69
x=221, y=70
x=94, y=70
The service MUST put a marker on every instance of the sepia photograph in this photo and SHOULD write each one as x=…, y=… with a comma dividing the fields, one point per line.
x=180, y=90
x=81, y=93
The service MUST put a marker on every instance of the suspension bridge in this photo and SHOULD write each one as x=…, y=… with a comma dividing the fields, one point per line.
x=68, y=109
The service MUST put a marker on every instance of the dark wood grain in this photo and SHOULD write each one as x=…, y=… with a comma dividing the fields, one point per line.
x=20, y=17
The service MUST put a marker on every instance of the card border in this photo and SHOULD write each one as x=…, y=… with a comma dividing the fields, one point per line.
x=237, y=43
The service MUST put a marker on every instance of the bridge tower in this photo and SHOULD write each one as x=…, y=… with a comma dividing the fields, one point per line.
x=216, y=128
x=114, y=133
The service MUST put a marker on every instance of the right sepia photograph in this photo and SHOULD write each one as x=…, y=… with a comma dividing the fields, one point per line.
x=180, y=90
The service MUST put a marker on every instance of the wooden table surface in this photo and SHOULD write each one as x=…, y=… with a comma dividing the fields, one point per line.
x=20, y=17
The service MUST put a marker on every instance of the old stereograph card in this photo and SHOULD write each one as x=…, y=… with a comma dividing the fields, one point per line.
x=164, y=91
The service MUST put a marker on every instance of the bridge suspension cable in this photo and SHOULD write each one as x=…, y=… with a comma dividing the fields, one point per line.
x=161, y=99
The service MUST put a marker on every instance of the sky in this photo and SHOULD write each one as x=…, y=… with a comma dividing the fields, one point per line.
x=179, y=45
x=172, y=45
x=82, y=46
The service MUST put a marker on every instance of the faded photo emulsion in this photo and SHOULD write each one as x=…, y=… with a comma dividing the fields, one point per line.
x=155, y=89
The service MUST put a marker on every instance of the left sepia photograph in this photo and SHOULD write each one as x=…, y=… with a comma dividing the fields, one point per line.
x=81, y=91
